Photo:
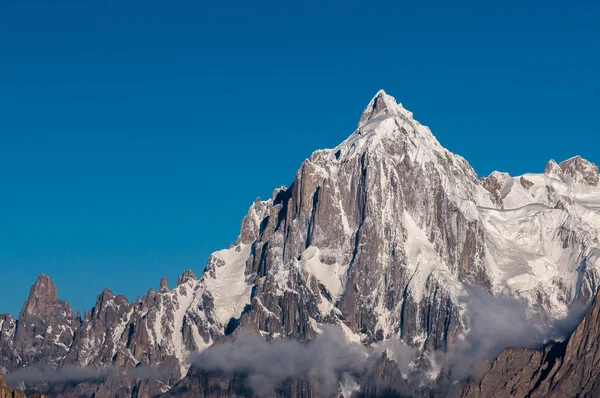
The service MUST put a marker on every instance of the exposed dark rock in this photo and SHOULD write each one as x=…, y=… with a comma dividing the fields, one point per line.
x=164, y=285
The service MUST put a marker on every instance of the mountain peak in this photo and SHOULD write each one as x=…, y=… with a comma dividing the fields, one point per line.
x=552, y=168
x=188, y=275
x=578, y=169
x=42, y=297
x=574, y=170
x=106, y=294
x=164, y=284
x=577, y=163
x=382, y=103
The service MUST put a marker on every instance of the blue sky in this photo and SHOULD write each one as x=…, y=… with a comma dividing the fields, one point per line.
x=134, y=135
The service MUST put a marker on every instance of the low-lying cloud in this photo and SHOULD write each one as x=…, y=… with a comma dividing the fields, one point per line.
x=74, y=374
x=494, y=323
x=268, y=365
x=67, y=373
x=326, y=361
x=499, y=322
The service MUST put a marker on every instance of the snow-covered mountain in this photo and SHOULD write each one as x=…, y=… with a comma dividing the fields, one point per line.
x=383, y=235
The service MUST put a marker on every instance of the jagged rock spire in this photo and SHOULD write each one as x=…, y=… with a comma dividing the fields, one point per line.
x=101, y=301
x=164, y=284
x=552, y=168
x=187, y=276
x=43, y=296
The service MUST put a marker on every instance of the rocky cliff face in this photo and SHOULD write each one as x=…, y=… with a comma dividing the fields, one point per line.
x=381, y=235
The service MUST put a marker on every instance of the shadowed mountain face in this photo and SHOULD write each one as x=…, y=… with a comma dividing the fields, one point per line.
x=388, y=236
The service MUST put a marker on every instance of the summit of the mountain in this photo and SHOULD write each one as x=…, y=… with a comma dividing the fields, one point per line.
x=382, y=104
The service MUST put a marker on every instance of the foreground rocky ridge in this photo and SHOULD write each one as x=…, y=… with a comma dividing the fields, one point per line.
x=561, y=369
x=7, y=392
x=382, y=235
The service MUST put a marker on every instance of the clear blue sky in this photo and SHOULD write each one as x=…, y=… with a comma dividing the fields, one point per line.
x=135, y=134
